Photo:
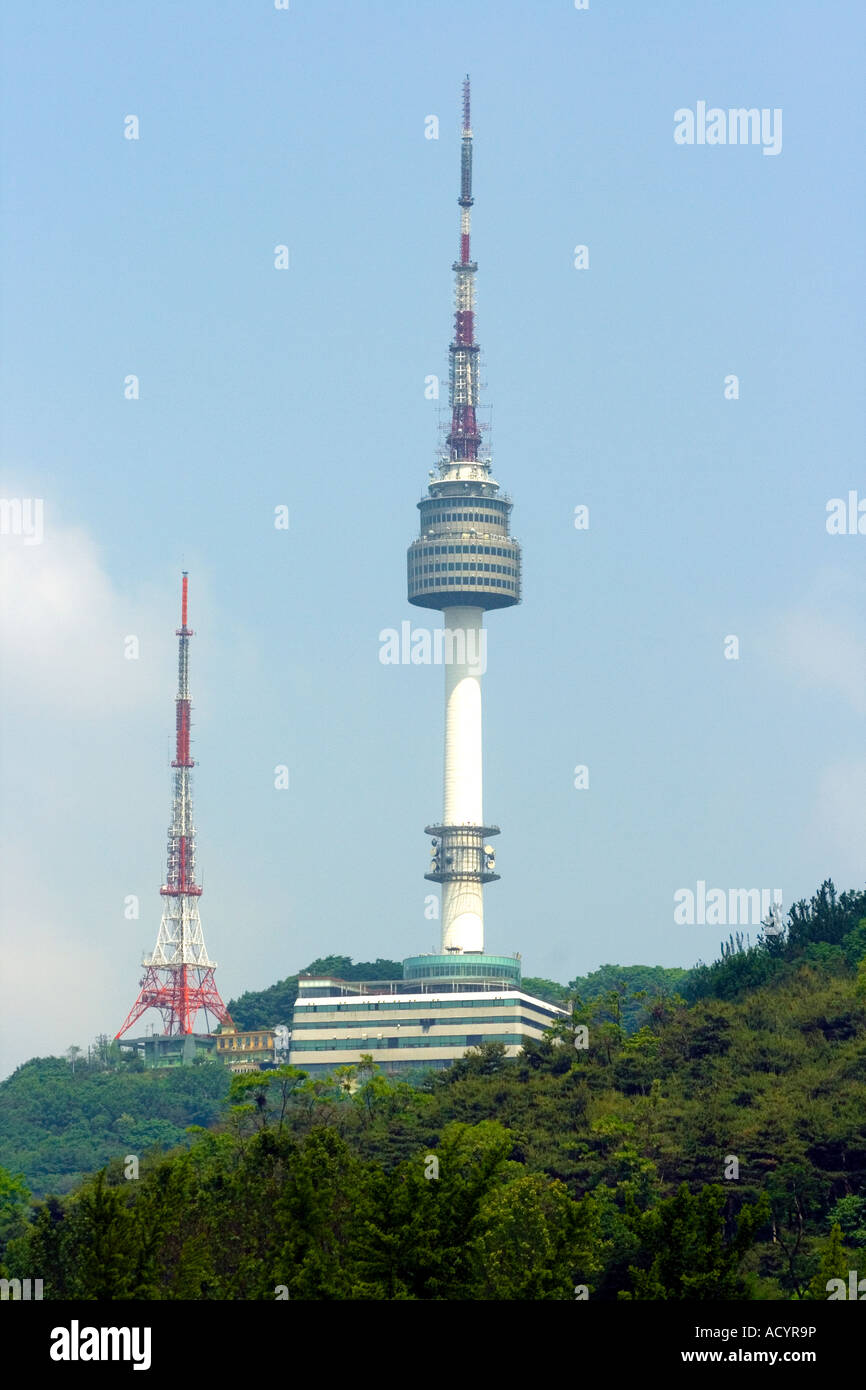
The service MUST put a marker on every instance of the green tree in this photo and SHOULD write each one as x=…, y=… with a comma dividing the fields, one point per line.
x=322, y=1215
x=549, y=990
x=850, y=1214
x=854, y=944
x=428, y=1215
x=40, y=1252
x=534, y=1241
x=834, y=1263
x=633, y=981
x=488, y=1059
x=14, y=1205
x=685, y=1252
x=101, y=1238
x=796, y=1193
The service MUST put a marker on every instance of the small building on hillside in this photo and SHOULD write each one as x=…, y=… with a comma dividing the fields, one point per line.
x=245, y=1049
x=169, y=1050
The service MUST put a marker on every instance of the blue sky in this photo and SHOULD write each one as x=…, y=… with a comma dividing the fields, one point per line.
x=305, y=387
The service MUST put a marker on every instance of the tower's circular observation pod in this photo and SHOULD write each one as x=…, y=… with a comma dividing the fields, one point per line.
x=464, y=555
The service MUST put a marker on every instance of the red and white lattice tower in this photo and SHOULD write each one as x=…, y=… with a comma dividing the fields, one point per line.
x=179, y=976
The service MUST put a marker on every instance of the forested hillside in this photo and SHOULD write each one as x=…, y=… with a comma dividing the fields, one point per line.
x=56, y=1123
x=717, y=1152
x=636, y=984
x=267, y=1007
x=264, y=1008
x=61, y=1118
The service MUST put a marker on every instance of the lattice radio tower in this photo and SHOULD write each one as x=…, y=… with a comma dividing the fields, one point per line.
x=179, y=975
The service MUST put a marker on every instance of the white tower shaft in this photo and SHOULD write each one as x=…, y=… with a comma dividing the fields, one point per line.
x=462, y=899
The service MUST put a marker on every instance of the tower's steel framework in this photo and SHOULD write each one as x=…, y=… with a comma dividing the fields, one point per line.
x=463, y=562
x=179, y=975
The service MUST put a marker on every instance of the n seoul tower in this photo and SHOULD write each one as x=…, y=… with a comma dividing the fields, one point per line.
x=463, y=562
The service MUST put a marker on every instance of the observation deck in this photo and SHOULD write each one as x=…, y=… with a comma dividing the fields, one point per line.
x=464, y=554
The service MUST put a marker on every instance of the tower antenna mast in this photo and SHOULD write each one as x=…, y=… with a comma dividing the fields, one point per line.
x=179, y=975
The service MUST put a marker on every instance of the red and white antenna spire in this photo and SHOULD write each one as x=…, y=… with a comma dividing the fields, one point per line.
x=179, y=976
x=465, y=436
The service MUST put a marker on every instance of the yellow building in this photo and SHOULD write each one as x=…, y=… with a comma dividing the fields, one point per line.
x=244, y=1049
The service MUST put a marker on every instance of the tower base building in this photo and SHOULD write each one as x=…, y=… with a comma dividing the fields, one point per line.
x=443, y=1006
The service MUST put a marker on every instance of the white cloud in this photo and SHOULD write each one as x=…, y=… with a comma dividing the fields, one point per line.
x=74, y=714
x=838, y=829
x=62, y=630
x=824, y=652
x=54, y=979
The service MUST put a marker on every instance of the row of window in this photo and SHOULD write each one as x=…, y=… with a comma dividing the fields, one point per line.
x=486, y=581
x=437, y=567
x=485, y=972
x=374, y=1044
x=416, y=1022
x=432, y=515
x=338, y=1006
x=232, y=1044
x=507, y=551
